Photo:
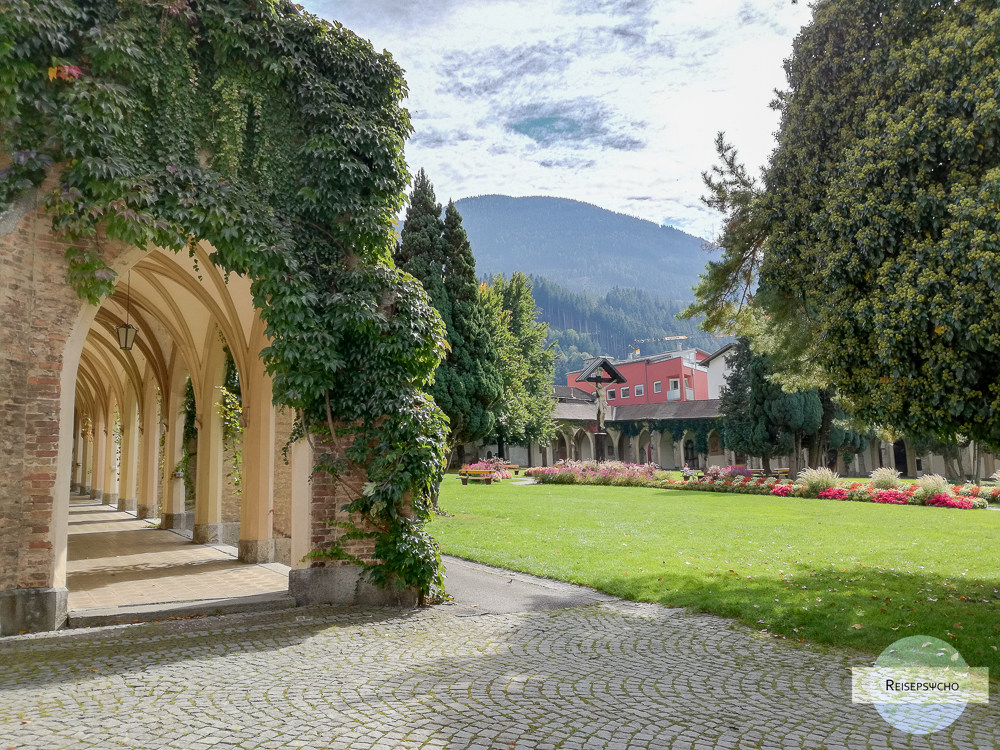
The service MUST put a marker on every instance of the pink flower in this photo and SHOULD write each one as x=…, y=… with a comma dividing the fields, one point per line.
x=894, y=497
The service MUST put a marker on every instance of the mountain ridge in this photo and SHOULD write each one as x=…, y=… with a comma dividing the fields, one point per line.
x=585, y=247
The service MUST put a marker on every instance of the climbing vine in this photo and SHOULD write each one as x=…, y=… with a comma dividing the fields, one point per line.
x=277, y=138
x=230, y=406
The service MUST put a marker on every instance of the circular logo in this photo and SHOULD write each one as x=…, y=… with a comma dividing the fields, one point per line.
x=922, y=684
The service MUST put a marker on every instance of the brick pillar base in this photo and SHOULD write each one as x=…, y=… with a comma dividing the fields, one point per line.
x=34, y=610
x=344, y=584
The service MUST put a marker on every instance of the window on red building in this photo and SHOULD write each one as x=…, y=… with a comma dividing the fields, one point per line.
x=611, y=394
x=656, y=386
x=624, y=391
x=639, y=390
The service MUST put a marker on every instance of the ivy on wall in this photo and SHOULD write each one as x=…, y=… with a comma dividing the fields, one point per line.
x=678, y=427
x=277, y=138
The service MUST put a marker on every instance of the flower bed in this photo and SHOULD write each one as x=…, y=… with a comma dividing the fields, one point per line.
x=615, y=473
x=808, y=485
x=910, y=494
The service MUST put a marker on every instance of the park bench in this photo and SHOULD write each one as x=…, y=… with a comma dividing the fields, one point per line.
x=476, y=475
x=514, y=469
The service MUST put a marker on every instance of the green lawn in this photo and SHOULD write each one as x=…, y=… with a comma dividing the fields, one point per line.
x=849, y=574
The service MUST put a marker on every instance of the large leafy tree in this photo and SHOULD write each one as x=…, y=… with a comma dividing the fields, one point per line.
x=874, y=236
x=468, y=385
x=525, y=413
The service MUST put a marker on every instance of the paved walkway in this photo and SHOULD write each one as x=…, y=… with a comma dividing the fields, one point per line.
x=609, y=675
x=116, y=560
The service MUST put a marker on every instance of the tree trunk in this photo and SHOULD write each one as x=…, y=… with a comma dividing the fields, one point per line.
x=961, y=465
x=795, y=462
x=949, y=467
x=765, y=461
x=501, y=449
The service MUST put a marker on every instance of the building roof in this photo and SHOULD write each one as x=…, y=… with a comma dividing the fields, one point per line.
x=601, y=363
x=575, y=411
x=718, y=353
x=702, y=409
x=572, y=393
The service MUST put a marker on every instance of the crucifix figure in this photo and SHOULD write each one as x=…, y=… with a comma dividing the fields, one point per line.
x=599, y=374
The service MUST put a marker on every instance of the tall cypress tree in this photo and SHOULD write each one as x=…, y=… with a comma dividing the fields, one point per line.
x=468, y=384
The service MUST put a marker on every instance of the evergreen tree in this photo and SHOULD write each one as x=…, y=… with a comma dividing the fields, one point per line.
x=743, y=403
x=468, y=385
x=525, y=414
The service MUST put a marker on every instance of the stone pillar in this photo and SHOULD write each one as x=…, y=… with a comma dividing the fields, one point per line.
x=173, y=514
x=208, y=504
x=75, y=482
x=149, y=455
x=110, y=496
x=86, y=455
x=256, y=539
x=127, y=488
x=100, y=456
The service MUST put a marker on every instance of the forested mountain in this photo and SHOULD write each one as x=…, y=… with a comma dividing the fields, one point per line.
x=584, y=325
x=588, y=249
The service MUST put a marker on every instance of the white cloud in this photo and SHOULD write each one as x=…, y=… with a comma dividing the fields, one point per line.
x=612, y=102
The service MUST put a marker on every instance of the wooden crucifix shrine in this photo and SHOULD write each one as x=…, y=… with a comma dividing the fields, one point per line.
x=600, y=373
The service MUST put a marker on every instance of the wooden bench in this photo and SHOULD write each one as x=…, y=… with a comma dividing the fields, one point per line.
x=476, y=475
x=514, y=469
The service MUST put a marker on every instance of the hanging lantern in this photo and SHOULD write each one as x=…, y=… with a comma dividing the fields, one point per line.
x=126, y=336
x=126, y=331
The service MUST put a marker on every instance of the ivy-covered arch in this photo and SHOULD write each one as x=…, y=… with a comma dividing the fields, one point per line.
x=276, y=138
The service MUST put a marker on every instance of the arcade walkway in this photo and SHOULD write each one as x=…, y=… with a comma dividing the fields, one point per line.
x=118, y=563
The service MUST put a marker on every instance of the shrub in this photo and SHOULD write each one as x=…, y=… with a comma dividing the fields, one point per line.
x=782, y=490
x=737, y=471
x=927, y=486
x=885, y=478
x=814, y=481
x=859, y=495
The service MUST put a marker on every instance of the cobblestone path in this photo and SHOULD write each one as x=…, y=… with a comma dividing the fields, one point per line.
x=609, y=675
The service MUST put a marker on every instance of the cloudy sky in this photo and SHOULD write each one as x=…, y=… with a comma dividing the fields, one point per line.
x=612, y=102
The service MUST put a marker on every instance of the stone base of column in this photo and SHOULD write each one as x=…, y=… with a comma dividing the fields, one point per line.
x=283, y=550
x=96, y=494
x=34, y=610
x=84, y=489
x=217, y=533
x=144, y=511
x=127, y=504
x=110, y=498
x=256, y=550
x=183, y=521
x=75, y=488
x=344, y=584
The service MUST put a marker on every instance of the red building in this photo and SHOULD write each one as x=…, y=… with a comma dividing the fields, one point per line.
x=671, y=376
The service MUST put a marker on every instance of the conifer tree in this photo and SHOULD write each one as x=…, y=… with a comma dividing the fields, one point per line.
x=468, y=385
